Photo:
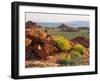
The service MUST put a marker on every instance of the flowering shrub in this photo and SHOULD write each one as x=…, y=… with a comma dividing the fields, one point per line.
x=80, y=48
x=62, y=43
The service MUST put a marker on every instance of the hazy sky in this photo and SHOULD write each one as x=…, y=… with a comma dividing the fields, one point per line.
x=41, y=17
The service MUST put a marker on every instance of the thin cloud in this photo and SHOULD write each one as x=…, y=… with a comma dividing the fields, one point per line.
x=41, y=17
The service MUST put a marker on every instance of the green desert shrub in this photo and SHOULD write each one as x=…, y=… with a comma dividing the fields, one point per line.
x=80, y=48
x=62, y=43
x=75, y=54
x=73, y=58
x=66, y=61
x=63, y=62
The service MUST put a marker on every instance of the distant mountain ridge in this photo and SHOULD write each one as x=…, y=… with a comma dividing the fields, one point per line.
x=71, y=24
x=79, y=23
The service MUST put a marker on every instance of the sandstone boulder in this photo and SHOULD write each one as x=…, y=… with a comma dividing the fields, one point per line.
x=27, y=42
x=29, y=53
x=43, y=51
x=82, y=40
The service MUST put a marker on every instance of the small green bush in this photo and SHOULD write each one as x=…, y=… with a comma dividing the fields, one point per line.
x=63, y=62
x=76, y=56
x=62, y=43
x=71, y=59
x=66, y=61
x=80, y=48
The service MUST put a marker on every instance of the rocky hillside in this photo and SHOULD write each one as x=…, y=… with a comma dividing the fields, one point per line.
x=43, y=49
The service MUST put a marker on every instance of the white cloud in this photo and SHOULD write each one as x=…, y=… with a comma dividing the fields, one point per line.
x=43, y=17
